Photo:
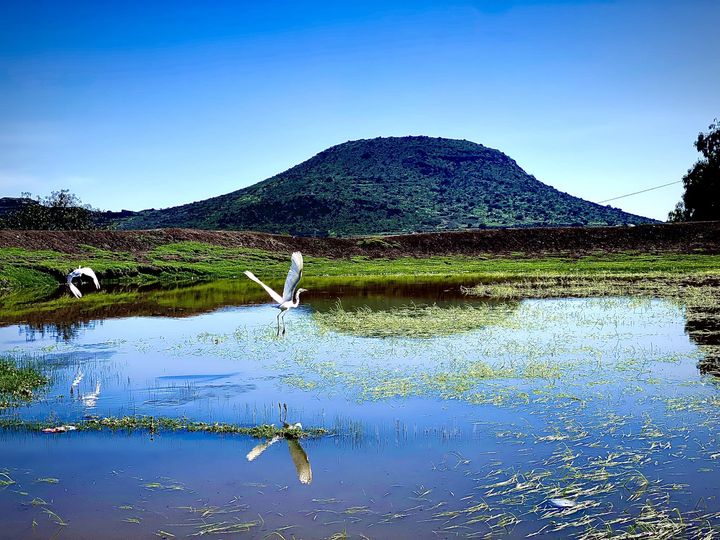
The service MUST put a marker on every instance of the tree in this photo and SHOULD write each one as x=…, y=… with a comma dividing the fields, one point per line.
x=701, y=200
x=61, y=210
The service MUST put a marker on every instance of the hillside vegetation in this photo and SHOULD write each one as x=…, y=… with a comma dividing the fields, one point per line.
x=390, y=185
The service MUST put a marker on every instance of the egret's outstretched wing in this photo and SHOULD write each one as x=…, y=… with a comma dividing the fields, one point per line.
x=275, y=296
x=293, y=277
x=301, y=461
x=87, y=271
x=260, y=448
x=74, y=289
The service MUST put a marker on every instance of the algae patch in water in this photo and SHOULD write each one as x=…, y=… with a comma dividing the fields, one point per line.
x=413, y=321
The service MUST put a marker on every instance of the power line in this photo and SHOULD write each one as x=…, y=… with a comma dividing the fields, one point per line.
x=638, y=192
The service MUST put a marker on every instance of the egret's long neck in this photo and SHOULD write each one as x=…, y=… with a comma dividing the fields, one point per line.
x=297, y=298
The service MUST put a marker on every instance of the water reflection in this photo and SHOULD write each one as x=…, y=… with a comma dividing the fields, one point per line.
x=297, y=453
x=381, y=297
x=90, y=399
x=63, y=314
x=62, y=330
x=702, y=324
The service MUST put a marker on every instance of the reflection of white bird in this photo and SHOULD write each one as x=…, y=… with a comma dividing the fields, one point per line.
x=90, y=400
x=301, y=461
x=260, y=448
x=291, y=294
x=298, y=455
x=85, y=271
x=77, y=379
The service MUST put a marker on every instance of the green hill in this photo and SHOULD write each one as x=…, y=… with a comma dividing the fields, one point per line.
x=390, y=185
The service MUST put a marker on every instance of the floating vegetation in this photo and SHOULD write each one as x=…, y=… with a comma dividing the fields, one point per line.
x=159, y=423
x=412, y=321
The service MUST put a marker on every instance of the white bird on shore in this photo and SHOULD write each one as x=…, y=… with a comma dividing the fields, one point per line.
x=79, y=272
x=291, y=294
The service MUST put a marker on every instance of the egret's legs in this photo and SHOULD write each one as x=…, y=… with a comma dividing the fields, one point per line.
x=278, y=323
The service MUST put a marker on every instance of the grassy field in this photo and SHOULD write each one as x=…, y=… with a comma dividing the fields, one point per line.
x=27, y=275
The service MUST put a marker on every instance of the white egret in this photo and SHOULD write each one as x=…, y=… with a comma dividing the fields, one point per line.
x=291, y=294
x=79, y=272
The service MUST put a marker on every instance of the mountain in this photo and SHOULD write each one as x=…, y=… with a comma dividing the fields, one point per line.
x=390, y=185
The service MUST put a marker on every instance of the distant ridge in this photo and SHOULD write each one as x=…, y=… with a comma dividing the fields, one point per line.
x=389, y=185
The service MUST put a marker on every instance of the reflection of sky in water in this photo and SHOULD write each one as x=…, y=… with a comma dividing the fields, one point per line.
x=619, y=378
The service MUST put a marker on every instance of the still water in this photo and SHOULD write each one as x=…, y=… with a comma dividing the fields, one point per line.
x=465, y=432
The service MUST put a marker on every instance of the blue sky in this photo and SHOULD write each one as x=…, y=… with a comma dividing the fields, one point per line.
x=138, y=104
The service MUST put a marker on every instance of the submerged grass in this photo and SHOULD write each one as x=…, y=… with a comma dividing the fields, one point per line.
x=698, y=294
x=160, y=423
x=411, y=321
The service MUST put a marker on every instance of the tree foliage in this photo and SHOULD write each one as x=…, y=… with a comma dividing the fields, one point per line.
x=61, y=210
x=701, y=200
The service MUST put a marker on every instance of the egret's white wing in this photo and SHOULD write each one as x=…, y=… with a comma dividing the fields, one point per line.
x=85, y=271
x=275, y=296
x=74, y=289
x=260, y=448
x=91, y=274
x=301, y=461
x=294, y=275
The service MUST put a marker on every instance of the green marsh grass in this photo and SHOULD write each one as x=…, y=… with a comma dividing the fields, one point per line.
x=18, y=382
x=152, y=424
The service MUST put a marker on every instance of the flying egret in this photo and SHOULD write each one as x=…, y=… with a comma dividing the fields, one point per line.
x=291, y=294
x=85, y=271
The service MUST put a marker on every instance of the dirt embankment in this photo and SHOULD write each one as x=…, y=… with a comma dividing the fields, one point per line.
x=703, y=237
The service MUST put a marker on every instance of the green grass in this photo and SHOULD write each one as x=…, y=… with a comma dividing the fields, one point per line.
x=18, y=383
x=26, y=275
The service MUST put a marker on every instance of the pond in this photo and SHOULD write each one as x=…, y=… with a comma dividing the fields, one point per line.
x=447, y=416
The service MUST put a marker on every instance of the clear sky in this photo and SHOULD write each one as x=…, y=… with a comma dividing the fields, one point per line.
x=153, y=104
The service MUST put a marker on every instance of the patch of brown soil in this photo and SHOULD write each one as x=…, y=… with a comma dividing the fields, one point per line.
x=702, y=237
